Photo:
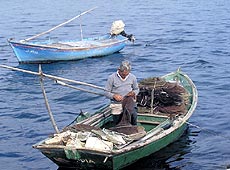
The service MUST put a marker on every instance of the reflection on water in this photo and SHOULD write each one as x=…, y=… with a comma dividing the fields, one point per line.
x=193, y=35
x=170, y=157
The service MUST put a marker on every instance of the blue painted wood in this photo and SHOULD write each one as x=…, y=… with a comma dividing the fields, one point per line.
x=49, y=51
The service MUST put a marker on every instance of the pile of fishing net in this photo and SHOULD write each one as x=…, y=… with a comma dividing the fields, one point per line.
x=91, y=137
x=158, y=96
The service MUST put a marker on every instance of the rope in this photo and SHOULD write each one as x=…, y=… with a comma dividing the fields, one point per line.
x=35, y=36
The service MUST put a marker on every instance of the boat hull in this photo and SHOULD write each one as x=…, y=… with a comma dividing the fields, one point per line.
x=128, y=158
x=88, y=160
x=37, y=52
x=162, y=130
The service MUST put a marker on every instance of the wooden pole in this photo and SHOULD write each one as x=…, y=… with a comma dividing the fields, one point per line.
x=81, y=29
x=77, y=88
x=46, y=101
x=52, y=77
x=45, y=32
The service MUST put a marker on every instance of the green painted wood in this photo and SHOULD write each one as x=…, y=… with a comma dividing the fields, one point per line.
x=117, y=159
x=127, y=158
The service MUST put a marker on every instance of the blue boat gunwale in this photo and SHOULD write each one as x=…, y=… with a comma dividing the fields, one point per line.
x=48, y=44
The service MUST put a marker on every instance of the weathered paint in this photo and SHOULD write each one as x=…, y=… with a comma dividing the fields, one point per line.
x=133, y=152
x=43, y=51
x=128, y=158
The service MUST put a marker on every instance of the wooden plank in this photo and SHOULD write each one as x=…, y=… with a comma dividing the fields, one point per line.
x=153, y=115
x=149, y=122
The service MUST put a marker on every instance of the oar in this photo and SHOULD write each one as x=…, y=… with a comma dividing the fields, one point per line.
x=77, y=88
x=52, y=77
x=45, y=32
x=57, y=79
x=46, y=101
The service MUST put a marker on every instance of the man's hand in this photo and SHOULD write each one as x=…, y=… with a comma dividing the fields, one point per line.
x=131, y=93
x=117, y=97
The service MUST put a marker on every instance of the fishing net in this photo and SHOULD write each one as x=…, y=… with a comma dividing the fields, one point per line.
x=80, y=127
x=158, y=96
x=125, y=124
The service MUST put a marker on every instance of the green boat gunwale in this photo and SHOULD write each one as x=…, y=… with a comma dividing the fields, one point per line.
x=176, y=129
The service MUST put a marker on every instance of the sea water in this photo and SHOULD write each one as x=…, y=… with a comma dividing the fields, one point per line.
x=170, y=34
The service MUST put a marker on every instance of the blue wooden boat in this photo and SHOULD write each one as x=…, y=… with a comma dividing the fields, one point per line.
x=50, y=51
x=28, y=51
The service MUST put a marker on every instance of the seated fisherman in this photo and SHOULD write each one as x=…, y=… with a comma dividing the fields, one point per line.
x=119, y=85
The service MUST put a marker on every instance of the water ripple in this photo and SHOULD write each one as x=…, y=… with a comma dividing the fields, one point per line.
x=192, y=35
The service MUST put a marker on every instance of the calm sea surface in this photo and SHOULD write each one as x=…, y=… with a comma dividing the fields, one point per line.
x=193, y=35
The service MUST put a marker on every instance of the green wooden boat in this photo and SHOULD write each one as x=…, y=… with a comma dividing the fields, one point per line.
x=114, y=148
